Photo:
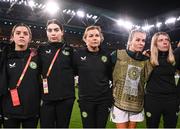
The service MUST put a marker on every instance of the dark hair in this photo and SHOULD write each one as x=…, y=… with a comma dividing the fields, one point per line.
x=55, y=21
x=18, y=25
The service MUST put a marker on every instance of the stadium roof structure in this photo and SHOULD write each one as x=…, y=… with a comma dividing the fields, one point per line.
x=78, y=15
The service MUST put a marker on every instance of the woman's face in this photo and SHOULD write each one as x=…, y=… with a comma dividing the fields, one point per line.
x=21, y=37
x=163, y=43
x=93, y=38
x=54, y=33
x=138, y=42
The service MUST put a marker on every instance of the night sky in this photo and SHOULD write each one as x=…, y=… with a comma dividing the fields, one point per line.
x=139, y=9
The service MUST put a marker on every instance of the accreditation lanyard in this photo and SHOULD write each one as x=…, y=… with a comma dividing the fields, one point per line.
x=24, y=71
x=14, y=92
x=45, y=81
x=52, y=62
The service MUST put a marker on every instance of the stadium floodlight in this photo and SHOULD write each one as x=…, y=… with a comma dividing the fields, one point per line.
x=158, y=24
x=52, y=7
x=94, y=17
x=80, y=13
x=147, y=27
x=43, y=6
x=126, y=24
x=137, y=26
x=40, y=6
x=64, y=11
x=73, y=12
x=89, y=15
x=20, y=2
x=178, y=18
x=31, y=3
x=68, y=11
x=170, y=20
x=120, y=22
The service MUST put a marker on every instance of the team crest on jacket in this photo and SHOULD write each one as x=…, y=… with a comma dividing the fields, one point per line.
x=104, y=59
x=84, y=114
x=148, y=114
x=33, y=65
x=66, y=53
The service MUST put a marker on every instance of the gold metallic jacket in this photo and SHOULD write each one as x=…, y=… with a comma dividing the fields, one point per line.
x=129, y=78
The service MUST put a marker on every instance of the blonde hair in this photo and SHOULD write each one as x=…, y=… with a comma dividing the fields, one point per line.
x=93, y=28
x=154, y=50
x=131, y=36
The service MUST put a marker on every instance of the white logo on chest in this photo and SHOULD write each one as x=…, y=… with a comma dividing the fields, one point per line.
x=83, y=58
x=48, y=51
x=12, y=65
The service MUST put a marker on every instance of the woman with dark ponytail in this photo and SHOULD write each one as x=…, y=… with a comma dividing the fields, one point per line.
x=58, y=93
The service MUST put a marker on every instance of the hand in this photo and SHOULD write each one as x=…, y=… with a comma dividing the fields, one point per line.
x=147, y=53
